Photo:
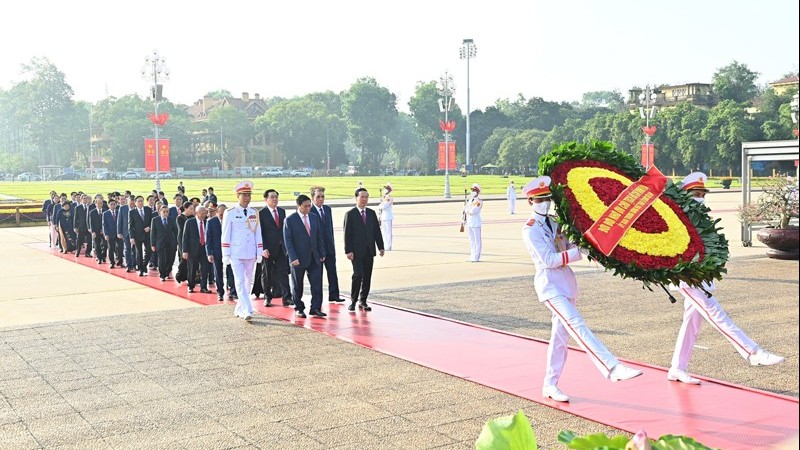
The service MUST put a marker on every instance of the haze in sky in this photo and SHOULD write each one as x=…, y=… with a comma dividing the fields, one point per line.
x=552, y=49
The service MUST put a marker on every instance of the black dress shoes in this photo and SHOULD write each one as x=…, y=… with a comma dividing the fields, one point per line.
x=336, y=300
x=129, y=270
x=364, y=306
x=288, y=302
x=268, y=302
x=205, y=290
x=318, y=313
x=233, y=296
x=352, y=307
x=190, y=290
x=300, y=314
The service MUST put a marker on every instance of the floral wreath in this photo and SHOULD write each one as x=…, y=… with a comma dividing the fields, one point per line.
x=673, y=240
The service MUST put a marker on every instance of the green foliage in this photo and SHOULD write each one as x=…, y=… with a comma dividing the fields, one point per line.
x=693, y=273
x=777, y=205
x=507, y=433
x=370, y=111
x=612, y=100
x=601, y=441
x=735, y=82
x=727, y=127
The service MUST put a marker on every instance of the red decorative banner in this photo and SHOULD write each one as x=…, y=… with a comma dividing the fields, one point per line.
x=650, y=131
x=451, y=157
x=608, y=229
x=648, y=155
x=150, y=155
x=159, y=120
x=448, y=126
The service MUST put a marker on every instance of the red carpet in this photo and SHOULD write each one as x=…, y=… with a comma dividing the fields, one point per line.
x=716, y=413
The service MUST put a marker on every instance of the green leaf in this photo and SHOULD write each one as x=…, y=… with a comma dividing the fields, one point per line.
x=593, y=441
x=507, y=433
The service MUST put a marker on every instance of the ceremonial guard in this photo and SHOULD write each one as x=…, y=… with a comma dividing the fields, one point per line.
x=511, y=196
x=698, y=305
x=386, y=216
x=557, y=288
x=472, y=209
x=241, y=245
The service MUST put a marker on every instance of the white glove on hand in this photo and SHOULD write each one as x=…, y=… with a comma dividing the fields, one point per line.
x=259, y=258
x=226, y=260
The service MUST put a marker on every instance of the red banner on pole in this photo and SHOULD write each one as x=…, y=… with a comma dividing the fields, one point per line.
x=648, y=155
x=451, y=158
x=150, y=155
x=609, y=228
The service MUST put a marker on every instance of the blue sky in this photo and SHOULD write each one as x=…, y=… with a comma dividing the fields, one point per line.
x=552, y=49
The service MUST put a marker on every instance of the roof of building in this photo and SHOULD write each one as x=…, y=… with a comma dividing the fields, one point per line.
x=792, y=79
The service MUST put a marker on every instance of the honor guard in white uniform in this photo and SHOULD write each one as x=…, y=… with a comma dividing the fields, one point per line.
x=511, y=196
x=473, y=212
x=698, y=306
x=241, y=246
x=386, y=216
x=557, y=288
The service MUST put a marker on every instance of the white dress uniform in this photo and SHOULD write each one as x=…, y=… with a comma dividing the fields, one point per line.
x=242, y=248
x=511, y=196
x=697, y=306
x=387, y=215
x=473, y=210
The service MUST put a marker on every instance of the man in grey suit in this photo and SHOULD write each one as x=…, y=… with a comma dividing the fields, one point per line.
x=323, y=211
x=303, y=238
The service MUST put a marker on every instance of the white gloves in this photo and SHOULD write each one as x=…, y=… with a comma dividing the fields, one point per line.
x=226, y=260
x=259, y=258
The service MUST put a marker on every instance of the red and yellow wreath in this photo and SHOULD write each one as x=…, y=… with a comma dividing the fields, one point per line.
x=672, y=239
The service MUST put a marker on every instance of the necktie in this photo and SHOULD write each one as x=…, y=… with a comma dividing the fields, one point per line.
x=322, y=214
x=547, y=222
x=113, y=217
x=277, y=219
x=202, y=234
x=305, y=222
x=364, y=216
x=141, y=213
x=164, y=221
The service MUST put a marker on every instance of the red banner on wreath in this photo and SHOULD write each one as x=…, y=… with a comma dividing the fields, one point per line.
x=608, y=229
x=451, y=157
x=150, y=155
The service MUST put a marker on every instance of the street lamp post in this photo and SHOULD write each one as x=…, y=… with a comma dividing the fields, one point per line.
x=446, y=88
x=468, y=50
x=647, y=112
x=154, y=65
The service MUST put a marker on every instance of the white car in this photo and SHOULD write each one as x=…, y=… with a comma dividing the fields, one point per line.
x=163, y=176
x=130, y=176
x=301, y=173
x=272, y=173
x=27, y=176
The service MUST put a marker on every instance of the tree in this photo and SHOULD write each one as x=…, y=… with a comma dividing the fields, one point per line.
x=370, y=111
x=613, y=100
x=124, y=123
x=490, y=150
x=237, y=130
x=735, y=82
x=424, y=107
x=535, y=113
x=482, y=125
x=405, y=146
x=521, y=151
x=219, y=94
x=728, y=126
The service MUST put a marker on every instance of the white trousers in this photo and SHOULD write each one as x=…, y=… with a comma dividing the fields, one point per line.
x=53, y=236
x=512, y=203
x=243, y=278
x=567, y=321
x=696, y=307
x=386, y=231
x=474, y=243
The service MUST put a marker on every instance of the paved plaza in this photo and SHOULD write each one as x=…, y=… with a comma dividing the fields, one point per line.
x=91, y=361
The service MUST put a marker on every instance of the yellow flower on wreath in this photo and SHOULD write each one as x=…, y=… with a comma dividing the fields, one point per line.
x=672, y=242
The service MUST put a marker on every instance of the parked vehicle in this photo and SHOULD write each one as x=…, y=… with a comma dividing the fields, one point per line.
x=163, y=176
x=68, y=176
x=272, y=173
x=28, y=176
x=130, y=176
x=301, y=173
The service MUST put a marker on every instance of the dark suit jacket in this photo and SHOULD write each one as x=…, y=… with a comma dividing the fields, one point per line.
x=271, y=234
x=361, y=239
x=163, y=237
x=96, y=221
x=299, y=245
x=136, y=224
x=110, y=224
x=80, y=219
x=214, y=238
x=180, y=221
x=327, y=229
x=191, y=238
x=122, y=221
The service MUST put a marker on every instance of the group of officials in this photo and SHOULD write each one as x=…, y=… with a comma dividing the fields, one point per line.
x=214, y=244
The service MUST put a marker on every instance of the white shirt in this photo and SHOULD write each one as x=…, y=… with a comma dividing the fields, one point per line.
x=553, y=277
x=473, y=210
x=241, y=234
x=386, y=207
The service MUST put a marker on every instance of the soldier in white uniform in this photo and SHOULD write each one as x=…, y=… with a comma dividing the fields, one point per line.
x=386, y=216
x=511, y=196
x=473, y=211
x=557, y=288
x=698, y=306
x=241, y=246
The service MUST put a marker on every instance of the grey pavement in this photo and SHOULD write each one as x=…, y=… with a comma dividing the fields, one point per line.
x=169, y=374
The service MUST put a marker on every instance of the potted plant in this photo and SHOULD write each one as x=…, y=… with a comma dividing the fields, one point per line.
x=726, y=182
x=776, y=206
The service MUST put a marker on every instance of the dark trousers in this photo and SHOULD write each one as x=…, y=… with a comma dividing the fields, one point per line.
x=219, y=279
x=261, y=280
x=115, y=250
x=139, y=248
x=100, y=247
x=231, y=279
x=362, y=278
x=279, y=276
x=180, y=275
x=154, y=259
x=130, y=263
x=84, y=237
x=166, y=255
x=333, y=279
x=314, y=271
x=195, y=262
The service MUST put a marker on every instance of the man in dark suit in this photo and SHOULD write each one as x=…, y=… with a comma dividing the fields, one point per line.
x=164, y=241
x=96, y=228
x=303, y=237
x=362, y=234
x=323, y=211
x=123, y=232
x=194, y=249
x=180, y=222
x=139, y=219
x=81, y=225
x=211, y=197
x=214, y=254
x=110, y=234
x=275, y=279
